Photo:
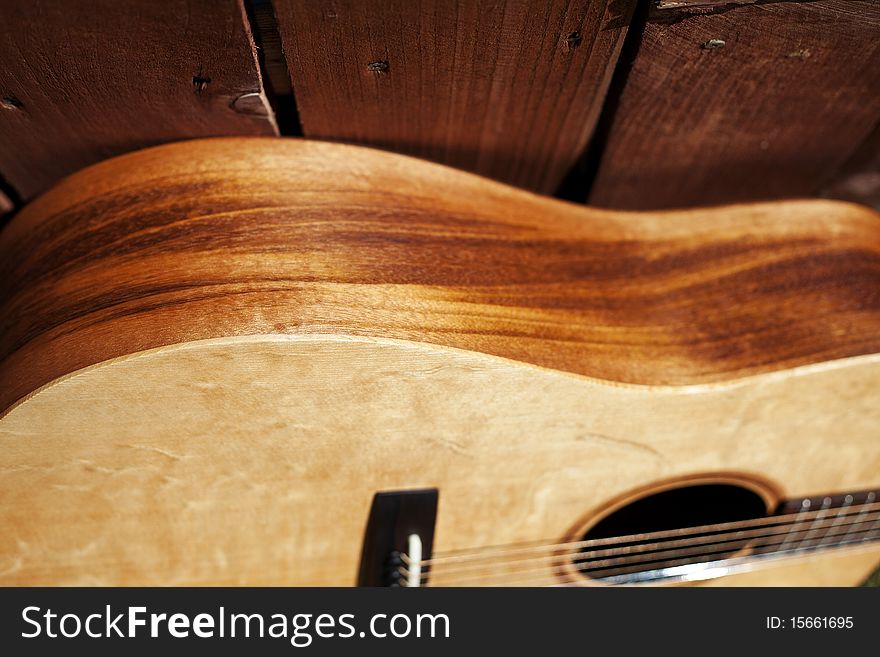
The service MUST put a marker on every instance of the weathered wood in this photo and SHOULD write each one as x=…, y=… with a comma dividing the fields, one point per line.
x=6, y=204
x=859, y=179
x=511, y=90
x=660, y=5
x=81, y=82
x=761, y=101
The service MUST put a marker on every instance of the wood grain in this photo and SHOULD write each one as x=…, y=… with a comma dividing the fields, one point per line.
x=6, y=204
x=81, y=82
x=701, y=5
x=510, y=90
x=226, y=237
x=774, y=112
x=858, y=180
x=254, y=460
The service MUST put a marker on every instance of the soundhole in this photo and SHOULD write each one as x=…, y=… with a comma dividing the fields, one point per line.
x=696, y=505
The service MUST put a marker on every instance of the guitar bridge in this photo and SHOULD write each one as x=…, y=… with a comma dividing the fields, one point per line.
x=399, y=538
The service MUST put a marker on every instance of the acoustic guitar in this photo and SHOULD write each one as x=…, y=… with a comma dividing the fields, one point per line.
x=245, y=361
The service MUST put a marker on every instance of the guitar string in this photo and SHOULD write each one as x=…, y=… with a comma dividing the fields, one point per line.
x=496, y=551
x=847, y=502
x=750, y=561
x=710, y=534
x=640, y=547
x=597, y=564
x=713, y=569
x=626, y=563
x=490, y=551
x=658, y=575
x=643, y=552
x=854, y=538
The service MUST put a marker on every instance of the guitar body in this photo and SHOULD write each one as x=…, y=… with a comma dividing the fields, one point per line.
x=214, y=354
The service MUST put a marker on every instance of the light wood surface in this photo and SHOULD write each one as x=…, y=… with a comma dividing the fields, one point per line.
x=212, y=354
x=253, y=460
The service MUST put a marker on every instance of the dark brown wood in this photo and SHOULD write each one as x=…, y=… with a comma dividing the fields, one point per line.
x=859, y=179
x=80, y=82
x=510, y=89
x=661, y=5
x=6, y=204
x=761, y=101
x=228, y=237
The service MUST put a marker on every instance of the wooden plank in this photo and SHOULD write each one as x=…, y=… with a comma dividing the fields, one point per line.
x=6, y=204
x=859, y=180
x=762, y=101
x=83, y=82
x=700, y=4
x=511, y=90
